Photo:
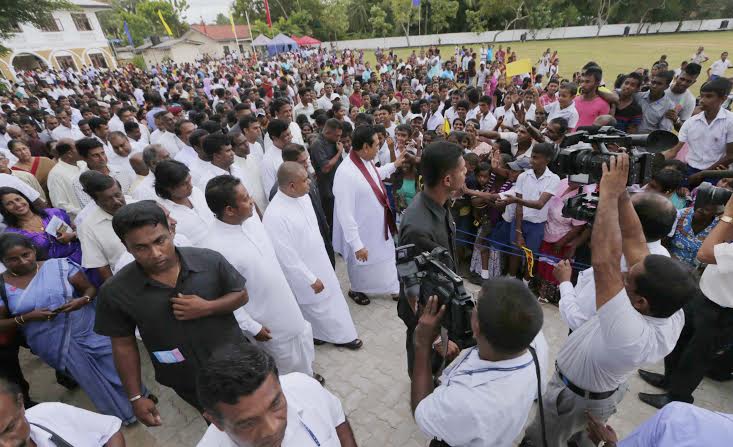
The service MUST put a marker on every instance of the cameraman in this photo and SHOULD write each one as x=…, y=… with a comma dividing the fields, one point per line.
x=708, y=321
x=486, y=394
x=428, y=222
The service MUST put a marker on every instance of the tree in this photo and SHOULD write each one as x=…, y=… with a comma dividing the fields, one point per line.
x=221, y=19
x=34, y=12
x=402, y=14
x=476, y=23
x=378, y=21
x=443, y=11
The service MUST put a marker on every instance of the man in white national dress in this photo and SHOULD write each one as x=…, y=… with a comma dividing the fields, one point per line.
x=363, y=224
x=293, y=228
x=237, y=233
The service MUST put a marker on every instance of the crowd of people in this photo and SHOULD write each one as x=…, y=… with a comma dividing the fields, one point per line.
x=200, y=209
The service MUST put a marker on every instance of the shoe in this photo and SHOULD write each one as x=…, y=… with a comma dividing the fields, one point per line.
x=318, y=342
x=353, y=345
x=66, y=381
x=359, y=298
x=320, y=379
x=475, y=278
x=655, y=400
x=653, y=379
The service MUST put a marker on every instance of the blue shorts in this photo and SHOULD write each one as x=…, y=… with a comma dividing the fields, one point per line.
x=501, y=234
x=533, y=234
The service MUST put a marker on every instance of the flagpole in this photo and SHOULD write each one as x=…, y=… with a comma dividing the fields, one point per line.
x=251, y=39
x=419, y=17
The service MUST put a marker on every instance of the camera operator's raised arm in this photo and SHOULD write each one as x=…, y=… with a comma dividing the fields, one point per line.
x=633, y=242
x=723, y=232
x=606, y=239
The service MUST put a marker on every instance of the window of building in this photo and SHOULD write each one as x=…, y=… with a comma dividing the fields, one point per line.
x=226, y=49
x=82, y=22
x=241, y=49
x=98, y=60
x=66, y=62
x=50, y=24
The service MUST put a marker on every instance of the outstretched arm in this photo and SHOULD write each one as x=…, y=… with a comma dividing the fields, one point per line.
x=606, y=238
x=633, y=242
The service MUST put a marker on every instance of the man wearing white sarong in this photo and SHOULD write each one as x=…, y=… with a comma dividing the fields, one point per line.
x=238, y=234
x=293, y=228
x=362, y=223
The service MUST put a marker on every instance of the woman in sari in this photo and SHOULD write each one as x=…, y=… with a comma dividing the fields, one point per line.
x=38, y=166
x=23, y=217
x=50, y=303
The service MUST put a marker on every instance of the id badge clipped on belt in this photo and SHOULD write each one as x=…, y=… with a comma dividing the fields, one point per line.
x=173, y=356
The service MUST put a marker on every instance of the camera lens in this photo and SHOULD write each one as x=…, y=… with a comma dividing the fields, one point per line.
x=707, y=194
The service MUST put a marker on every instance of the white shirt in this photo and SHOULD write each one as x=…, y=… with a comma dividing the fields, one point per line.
x=78, y=427
x=570, y=113
x=309, y=405
x=100, y=246
x=187, y=155
x=487, y=408
x=707, y=142
x=602, y=354
x=251, y=176
x=532, y=188
x=326, y=103
x=680, y=424
x=488, y=122
x=271, y=302
x=578, y=305
x=718, y=67
x=64, y=132
x=270, y=164
x=717, y=278
x=169, y=140
x=145, y=190
x=434, y=121
x=194, y=223
x=301, y=109
x=685, y=101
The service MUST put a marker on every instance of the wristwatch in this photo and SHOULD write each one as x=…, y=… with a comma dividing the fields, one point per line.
x=727, y=219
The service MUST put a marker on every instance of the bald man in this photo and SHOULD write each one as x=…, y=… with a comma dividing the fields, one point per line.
x=293, y=228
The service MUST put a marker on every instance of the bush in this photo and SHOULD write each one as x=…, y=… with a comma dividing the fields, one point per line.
x=139, y=62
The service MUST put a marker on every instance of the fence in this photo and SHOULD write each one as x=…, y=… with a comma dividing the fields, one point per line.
x=569, y=32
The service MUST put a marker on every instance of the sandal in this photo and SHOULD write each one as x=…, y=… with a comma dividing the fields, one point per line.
x=319, y=378
x=359, y=298
x=318, y=342
x=353, y=345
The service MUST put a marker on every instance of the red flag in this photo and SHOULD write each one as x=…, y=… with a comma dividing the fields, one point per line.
x=267, y=13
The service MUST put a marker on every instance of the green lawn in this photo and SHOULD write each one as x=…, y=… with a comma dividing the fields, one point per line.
x=614, y=54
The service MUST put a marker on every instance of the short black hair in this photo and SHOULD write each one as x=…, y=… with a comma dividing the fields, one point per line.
x=84, y=145
x=168, y=175
x=362, y=135
x=197, y=137
x=562, y=122
x=666, y=284
x=509, y=316
x=129, y=126
x=63, y=147
x=220, y=193
x=720, y=86
x=6, y=386
x=136, y=215
x=93, y=182
x=634, y=75
x=179, y=125
x=485, y=100
x=232, y=372
x=214, y=142
x=276, y=128
x=438, y=159
x=656, y=214
x=211, y=126
x=547, y=150
x=10, y=240
x=668, y=179
x=277, y=104
x=464, y=104
x=505, y=147
x=692, y=69
x=667, y=75
x=406, y=128
x=96, y=122
x=246, y=121
x=594, y=71
x=292, y=151
x=346, y=128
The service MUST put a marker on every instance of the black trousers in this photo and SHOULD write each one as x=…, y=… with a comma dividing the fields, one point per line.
x=708, y=328
x=10, y=369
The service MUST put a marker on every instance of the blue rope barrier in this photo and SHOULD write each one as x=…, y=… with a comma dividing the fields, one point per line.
x=515, y=250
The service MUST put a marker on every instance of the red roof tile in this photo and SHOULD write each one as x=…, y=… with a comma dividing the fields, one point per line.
x=222, y=32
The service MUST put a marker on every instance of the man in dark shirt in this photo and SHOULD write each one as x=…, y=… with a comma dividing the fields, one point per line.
x=326, y=157
x=295, y=152
x=627, y=110
x=428, y=222
x=181, y=299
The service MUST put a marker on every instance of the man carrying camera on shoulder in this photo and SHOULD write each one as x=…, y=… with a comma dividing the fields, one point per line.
x=639, y=319
x=485, y=395
x=427, y=223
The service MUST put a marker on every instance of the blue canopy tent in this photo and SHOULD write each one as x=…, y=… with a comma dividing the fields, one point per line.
x=281, y=44
x=261, y=41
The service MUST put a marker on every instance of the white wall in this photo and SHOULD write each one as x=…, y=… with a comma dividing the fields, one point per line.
x=33, y=39
x=570, y=32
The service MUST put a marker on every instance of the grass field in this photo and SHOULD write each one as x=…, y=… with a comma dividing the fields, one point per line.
x=615, y=54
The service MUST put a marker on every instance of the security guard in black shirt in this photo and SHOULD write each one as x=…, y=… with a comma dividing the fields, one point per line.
x=428, y=223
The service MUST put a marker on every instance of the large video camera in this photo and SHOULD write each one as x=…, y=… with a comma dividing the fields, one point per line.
x=582, y=155
x=425, y=275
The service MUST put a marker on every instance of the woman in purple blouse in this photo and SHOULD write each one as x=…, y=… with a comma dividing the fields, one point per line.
x=21, y=216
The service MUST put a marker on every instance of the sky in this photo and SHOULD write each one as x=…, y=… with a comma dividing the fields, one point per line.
x=208, y=9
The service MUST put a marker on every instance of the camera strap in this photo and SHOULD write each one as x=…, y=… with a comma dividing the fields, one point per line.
x=539, y=394
x=444, y=349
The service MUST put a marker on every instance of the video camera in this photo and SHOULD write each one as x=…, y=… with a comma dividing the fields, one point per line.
x=425, y=275
x=583, y=163
x=707, y=194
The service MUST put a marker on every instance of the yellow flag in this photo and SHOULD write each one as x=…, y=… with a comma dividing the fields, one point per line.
x=234, y=30
x=518, y=67
x=165, y=25
x=446, y=126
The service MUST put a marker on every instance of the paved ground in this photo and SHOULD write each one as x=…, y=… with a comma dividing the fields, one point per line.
x=372, y=384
